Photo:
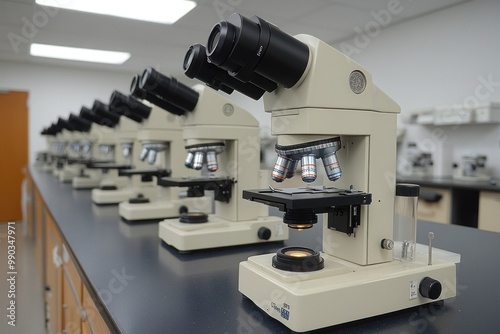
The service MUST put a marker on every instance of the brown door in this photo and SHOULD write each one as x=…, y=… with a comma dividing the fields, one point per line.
x=13, y=152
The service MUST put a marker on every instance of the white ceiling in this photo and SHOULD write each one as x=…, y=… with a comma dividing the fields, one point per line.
x=164, y=46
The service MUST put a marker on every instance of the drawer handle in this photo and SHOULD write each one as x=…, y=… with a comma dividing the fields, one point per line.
x=430, y=197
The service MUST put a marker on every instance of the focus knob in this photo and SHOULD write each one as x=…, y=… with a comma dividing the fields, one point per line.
x=264, y=233
x=430, y=288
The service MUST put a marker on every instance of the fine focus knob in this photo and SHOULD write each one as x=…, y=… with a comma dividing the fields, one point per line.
x=430, y=288
x=264, y=233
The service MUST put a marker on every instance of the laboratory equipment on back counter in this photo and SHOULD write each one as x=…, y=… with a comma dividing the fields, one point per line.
x=160, y=138
x=333, y=111
x=221, y=142
x=471, y=168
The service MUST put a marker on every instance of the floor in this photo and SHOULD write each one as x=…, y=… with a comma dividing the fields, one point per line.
x=29, y=302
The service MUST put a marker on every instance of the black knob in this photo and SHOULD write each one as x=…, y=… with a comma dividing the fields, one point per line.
x=264, y=233
x=183, y=209
x=430, y=288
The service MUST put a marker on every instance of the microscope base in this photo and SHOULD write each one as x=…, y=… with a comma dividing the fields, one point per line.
x=219, y=232
x=80, y=182
x=100, y=196
x=47, y=168
x=119, y=181
x=66, y=176
x=342, y=291
x=162, y=208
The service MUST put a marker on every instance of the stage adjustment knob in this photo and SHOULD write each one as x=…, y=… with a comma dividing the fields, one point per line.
x=430, y=288
x=264, y=233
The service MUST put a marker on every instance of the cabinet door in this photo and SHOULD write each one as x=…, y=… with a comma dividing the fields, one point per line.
x=72, y=297
x=94, y=323
x=39, y=231
x=436, y=207
x=53, y=277
x=489, y=211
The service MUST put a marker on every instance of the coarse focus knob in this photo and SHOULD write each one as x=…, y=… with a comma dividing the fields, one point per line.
x=264, y=233
x=430, y=288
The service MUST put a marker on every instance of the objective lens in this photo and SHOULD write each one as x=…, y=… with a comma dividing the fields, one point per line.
x=212, y=164
x=189, y=160
x=332, y=166
x=308, y=168
x=291, y=169
x=152, y=157
x=280, y=169
x=144, y=154
x=298, y=259
x=126, y=151
x=198, y=160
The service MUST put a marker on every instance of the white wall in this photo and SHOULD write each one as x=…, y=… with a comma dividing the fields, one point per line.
x=57, y=91
x=440, y=60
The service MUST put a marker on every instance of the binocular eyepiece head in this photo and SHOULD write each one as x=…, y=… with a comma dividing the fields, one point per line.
x=251, y=56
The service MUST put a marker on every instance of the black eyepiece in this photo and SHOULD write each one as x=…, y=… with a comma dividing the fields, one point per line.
x=197, y=66
x=64, y=124
x=78, y=123
x=168, y=89
x=255, y=51
x=107, y=118
x=140, y=93
x=128, y=105
x=89, y=115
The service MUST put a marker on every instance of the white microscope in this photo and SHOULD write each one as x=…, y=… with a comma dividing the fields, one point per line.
x=102, y=147
x=79, y=148
x=224, y=138
x=113, y=188
x=326, y=106
x=162, y=146
x=119, y=134
x=45, y=159
x=117, y=187
x=60, y=146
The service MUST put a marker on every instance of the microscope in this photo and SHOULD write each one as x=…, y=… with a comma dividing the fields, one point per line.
x=118, y=132
x=45, y=158
x=113, y=188
x=162, y=147
x=79, y=148
x=325, y=105
x=221, y=140
x=60, y=146
x=140, y=185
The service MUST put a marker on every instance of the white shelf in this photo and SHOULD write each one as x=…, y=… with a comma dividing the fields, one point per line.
x=484, y=113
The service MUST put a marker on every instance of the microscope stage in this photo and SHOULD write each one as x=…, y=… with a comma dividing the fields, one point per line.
x=194, y=181
x=315, y=198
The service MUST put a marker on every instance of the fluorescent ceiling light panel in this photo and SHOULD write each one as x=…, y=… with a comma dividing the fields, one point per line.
x=64, y=52
x=158, y=11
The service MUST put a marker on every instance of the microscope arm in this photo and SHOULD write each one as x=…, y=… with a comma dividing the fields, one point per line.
x=222, y=187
